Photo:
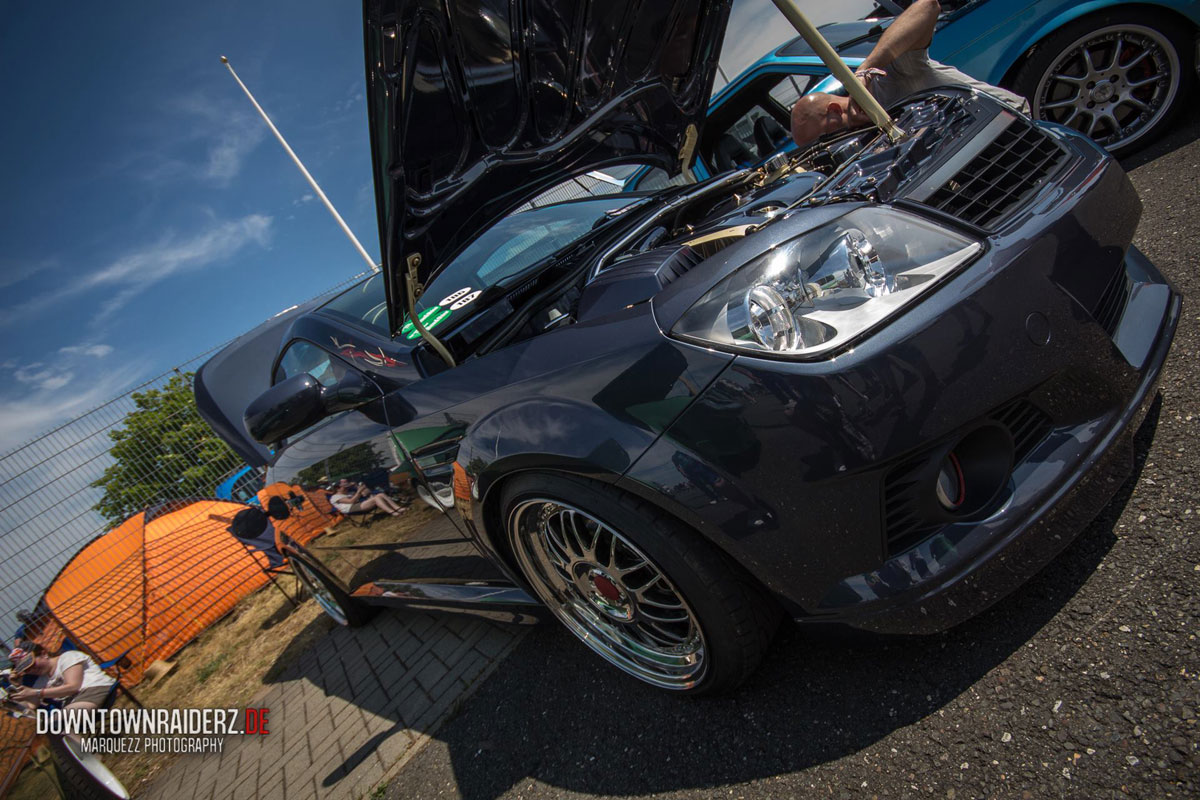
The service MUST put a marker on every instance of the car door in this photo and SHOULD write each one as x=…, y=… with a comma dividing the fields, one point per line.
x=384, y=559
x=982, y=37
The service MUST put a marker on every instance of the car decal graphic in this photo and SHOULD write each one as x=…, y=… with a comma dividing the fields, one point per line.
x=351, y=350
x=430, y=318
x=466, y=300
x=453, y=296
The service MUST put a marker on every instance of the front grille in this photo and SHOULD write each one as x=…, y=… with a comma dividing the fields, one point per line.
x=1112, y=302
x=1004, y=174
x=904, y=524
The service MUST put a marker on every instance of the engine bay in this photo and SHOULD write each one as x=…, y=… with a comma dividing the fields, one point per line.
x=670, y=233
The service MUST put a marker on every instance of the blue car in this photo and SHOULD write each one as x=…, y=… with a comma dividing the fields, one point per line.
x=1115, y=71
x=241, y=485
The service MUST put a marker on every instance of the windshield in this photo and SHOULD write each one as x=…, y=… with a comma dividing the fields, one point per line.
x=498, y=257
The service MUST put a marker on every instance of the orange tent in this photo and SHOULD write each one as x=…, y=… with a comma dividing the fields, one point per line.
x=152, y=584
x=306, y=519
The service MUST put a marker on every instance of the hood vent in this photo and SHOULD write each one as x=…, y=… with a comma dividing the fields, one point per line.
x=636, y=279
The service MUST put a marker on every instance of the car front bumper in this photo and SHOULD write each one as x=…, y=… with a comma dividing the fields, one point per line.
x=787, y=466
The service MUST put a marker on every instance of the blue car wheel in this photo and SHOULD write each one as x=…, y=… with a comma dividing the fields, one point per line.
x=1118, y=77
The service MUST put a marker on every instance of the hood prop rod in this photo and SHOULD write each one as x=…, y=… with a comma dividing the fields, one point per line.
x=413, y=290
x=311, y=182
x=854, y=87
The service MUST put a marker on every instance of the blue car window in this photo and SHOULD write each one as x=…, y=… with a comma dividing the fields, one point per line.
x=246, y=487
x=789, y=90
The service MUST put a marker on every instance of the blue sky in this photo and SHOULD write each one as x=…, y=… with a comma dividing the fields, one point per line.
x=148, y=216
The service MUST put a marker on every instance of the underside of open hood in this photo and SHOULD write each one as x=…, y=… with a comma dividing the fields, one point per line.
x=476, y=106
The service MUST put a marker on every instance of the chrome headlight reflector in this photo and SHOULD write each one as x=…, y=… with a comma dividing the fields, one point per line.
x=815, y=293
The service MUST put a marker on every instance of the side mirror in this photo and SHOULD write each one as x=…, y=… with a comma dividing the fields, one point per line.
x=300, y=401
x=351, y=391
x=287, y=407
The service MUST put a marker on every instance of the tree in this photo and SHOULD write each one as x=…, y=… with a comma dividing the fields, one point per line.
x=353, y=462
x=164, y=451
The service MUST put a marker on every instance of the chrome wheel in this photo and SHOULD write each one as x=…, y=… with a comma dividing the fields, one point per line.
x=1114, y=84
x=609, y=593
x=320, y=592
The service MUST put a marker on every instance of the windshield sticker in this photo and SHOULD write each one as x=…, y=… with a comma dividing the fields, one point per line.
x=430, y=318
x=464, y=301
x=453, y=296
x=351, y=350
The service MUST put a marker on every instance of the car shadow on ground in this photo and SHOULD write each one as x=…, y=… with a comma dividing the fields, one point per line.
x=555, y=714
x=1182, y=132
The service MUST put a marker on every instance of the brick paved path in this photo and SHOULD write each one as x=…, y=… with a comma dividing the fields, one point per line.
x=344, y=716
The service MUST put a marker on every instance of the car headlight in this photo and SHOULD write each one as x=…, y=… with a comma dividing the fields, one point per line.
x=815, y=293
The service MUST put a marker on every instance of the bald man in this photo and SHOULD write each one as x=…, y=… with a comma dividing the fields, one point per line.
x=898, y=66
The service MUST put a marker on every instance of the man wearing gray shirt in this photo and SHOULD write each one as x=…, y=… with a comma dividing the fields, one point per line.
x=898, y=66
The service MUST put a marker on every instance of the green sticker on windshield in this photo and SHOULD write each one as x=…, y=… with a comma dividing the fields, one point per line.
x=430, y=318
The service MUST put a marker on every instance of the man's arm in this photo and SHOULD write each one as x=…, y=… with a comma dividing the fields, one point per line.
x=912, y=30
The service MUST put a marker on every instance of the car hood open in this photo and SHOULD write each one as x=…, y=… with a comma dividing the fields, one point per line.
x=477, y=106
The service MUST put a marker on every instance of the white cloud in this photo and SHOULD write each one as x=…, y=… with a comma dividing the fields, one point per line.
x=232, y=145
x=41, y=403
x=203, y=140
x=352, y=100
x=229, y=132
x=41, y=376
x=12, y=272
x=138, y=270
x=95, y=350
x=171, y=255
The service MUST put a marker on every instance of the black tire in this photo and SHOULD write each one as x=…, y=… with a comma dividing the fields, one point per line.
x=333, y=600
x=77, y=782
x=1169, y=58
x=719, y=616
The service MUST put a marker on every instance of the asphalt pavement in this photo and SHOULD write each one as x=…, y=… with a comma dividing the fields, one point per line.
x=1082, y=684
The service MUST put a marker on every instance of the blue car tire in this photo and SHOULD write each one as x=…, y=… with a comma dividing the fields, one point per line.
x=1118, y=76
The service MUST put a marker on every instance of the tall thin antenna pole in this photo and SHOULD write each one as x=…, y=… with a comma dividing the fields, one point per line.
x=311, y=182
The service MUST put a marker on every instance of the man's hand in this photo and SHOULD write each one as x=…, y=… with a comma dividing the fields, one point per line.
x=866, y=75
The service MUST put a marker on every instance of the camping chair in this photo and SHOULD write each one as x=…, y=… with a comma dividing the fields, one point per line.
x=276, y=563
x=119, y=663
x=363, y=519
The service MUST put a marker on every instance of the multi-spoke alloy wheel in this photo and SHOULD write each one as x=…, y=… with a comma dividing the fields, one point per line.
x=341, y=607
x=320, y=592
x=1115, y=80
x=608, y=592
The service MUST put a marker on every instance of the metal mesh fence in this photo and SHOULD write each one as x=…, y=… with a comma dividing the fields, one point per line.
x=48, y=496
x=49, y=499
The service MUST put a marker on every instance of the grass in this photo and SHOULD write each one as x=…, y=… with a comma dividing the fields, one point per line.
x=234, y=660
x=207, y=671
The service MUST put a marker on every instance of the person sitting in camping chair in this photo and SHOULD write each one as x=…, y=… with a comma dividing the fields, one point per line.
x=73, y=678
x=358, y=499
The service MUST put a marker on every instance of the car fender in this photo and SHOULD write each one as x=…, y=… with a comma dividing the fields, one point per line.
x=1010, y=57
x=550, y=434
